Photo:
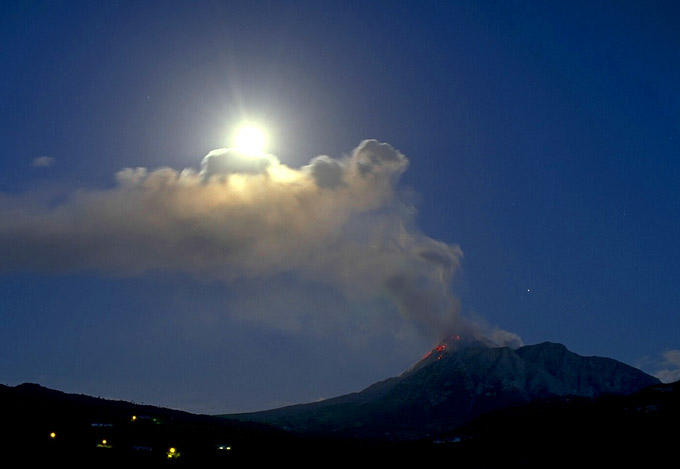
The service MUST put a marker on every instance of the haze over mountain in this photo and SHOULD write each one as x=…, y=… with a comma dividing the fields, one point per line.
x=454, y=383
x=465, y=401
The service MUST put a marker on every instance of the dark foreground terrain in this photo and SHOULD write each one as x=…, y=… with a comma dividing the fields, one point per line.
x=639, y=430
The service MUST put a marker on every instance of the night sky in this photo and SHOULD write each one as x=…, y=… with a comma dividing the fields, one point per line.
x=503, y=170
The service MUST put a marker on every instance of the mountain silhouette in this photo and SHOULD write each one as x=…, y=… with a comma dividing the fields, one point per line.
x=466, y=402
x=454, y=383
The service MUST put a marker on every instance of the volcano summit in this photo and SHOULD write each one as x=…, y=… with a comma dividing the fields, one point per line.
x=455, y=382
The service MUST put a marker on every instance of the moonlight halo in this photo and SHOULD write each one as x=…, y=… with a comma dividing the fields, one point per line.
x=249, y=138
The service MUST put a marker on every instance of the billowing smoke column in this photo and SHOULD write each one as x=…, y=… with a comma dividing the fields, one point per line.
x=336, y=221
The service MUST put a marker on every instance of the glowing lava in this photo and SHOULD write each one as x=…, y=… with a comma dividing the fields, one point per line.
x=441, y=347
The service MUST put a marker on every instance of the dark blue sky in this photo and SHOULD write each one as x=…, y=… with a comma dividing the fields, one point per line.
x=543, y=138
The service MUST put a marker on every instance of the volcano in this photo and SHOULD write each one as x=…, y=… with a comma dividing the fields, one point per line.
x=457, y=381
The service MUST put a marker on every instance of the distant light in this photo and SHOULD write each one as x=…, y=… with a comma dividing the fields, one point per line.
x=173, y=453
x=53, y=435
x=250, y=139
x=104, y=444
x=134, y=417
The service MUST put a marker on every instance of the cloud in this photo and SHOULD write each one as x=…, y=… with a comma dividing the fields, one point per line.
x=43, y=161
x=326, y=171
x=337, y=222
x=665, y=366
x=669, y=368
x=225, y=161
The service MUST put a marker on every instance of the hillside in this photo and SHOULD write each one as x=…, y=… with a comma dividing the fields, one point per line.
x=41, y=425
x=537, y=406
x=453, y=384
x=635, y=430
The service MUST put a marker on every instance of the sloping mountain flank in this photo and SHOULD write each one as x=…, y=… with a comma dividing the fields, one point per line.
x=454, y=383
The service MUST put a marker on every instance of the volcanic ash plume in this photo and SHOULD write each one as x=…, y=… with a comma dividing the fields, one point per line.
x=338, y=221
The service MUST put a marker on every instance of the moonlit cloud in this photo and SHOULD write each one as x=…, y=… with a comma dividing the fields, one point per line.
x=225, y=161
x=336, y=222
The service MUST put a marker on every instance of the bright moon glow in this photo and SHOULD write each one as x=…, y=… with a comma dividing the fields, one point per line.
x=250, y=139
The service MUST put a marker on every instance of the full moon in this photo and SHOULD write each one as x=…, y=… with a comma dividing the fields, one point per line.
x=250, y=139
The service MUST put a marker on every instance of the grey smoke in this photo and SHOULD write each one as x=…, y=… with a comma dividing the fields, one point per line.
x=339, y=221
